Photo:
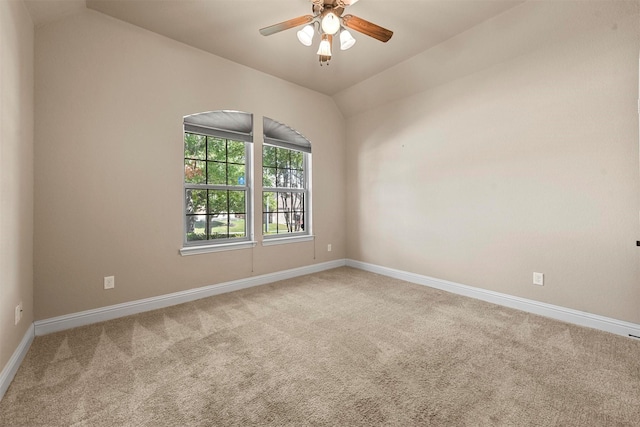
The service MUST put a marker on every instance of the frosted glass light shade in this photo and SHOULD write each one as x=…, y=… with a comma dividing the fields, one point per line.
x=346, y=40
x=325, y=47
x=330, y=23
x=305, y=35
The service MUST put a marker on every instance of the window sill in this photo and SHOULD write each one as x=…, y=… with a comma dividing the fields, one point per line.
x=285, y=240
x=197, y=250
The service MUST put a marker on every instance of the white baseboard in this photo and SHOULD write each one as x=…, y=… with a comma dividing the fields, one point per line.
x=68, y=321
x=10, y=369
x=74, y=320
x=581, y=318
x=42, y=327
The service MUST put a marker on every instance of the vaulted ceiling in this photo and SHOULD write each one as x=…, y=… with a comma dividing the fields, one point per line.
x=230, y=29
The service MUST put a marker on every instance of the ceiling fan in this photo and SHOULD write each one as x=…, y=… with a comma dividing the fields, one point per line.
x=327, y=20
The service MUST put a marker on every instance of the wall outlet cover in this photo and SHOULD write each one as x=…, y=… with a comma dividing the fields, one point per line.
x=109, y=282
x=18, y=314
x=538, y=279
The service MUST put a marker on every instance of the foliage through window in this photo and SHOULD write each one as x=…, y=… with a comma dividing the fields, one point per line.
x=217, y=187
x=284, y=188
x=218, y=184
x=215, y=171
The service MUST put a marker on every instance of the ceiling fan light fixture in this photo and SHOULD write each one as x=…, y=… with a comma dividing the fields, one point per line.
x=346, y=40
x=325, y=46
x=328, y=20
x=330, y=23
x=305, y=35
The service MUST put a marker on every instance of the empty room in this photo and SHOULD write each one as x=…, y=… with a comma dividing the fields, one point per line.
x=319, y=212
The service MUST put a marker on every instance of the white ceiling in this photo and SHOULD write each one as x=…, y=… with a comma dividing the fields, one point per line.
x=230, y=29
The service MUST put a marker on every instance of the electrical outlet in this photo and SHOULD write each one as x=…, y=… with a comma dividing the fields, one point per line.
x=18, y=314
x=109, y=282
x=329, y=247
x=538, y=279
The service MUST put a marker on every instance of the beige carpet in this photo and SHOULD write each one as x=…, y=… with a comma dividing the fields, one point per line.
x=338, y=348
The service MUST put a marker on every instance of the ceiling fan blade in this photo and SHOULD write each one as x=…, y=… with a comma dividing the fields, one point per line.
x=365, y=27
x=291, y=23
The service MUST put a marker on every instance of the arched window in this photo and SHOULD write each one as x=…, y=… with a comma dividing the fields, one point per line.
x=217, y=180
x=286, y=198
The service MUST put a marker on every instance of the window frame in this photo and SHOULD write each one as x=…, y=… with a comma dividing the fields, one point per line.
x=222, y=244
x=306, y=233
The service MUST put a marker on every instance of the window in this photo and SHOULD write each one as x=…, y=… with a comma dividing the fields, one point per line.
x=285, y=179
x=217, y=178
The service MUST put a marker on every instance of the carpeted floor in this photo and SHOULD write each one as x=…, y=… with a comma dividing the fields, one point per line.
x=339, y=348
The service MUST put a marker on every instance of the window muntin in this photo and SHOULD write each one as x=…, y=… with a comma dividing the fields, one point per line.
x=285, y=192
x=216, y=172
x=218, y=182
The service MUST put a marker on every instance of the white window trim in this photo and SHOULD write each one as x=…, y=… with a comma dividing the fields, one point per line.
x=307, y=234
x=206, y=246
x=289, y=239
x=204, y=249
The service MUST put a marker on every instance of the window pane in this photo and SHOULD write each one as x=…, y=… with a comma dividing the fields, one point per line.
x=216, y=214
x=283, y=178
x=216, y=173
x=282, y=212
x=217, y=149
x=297, y=201
x=297, y=178
x=236, y=152
x=194, y=171
x=282, y=157
x=218, y=202
x=268, y=212
x=237, y=226
x=268, y=156
x=298, y=221
x=269, y=201
x=236, y=174
x=269, y=177
x=196, y=201
x=297, y=160
x=196, y=227
x=271, y=226
x=236, y=202
x=219, y=227
x=194, y=146
x=283, y=201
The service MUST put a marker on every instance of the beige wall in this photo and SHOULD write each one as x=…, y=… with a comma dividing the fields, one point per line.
x=509, y=149
x=110, y=98
x=528, y=164
x=16, y=174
